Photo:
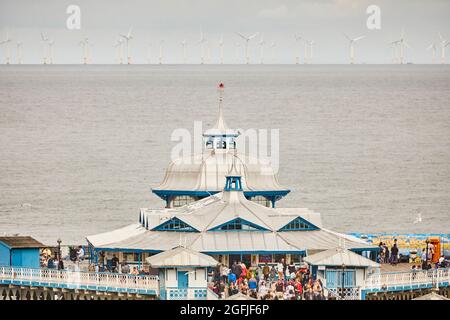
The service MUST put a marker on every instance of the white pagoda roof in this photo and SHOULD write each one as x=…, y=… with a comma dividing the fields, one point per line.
x=181, y=257
x=205, y=219
x=207, y=171
x=339, y=256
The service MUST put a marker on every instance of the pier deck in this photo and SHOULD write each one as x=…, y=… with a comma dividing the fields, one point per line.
x=101, y=282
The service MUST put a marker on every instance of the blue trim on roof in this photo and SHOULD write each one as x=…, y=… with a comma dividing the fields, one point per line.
x=175, y=219
x=310, y=227
x=257, y=252
x=233, y=183
x=6, y=245
x=164, y=193
x=243, y=222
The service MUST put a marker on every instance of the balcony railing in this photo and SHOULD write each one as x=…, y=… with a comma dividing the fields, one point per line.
x=395, y=281
x=186, y=294
x=113, y=282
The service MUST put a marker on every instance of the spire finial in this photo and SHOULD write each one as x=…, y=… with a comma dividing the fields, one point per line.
x=220, y=121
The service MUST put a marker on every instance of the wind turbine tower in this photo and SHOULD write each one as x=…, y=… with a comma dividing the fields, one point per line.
x=51, y=43
x=352, y=42
x=85, y=50
x=297, y=56
x=202, y=42
x=433, y=49
x=184, y=44
x=119, y=50
x=161, y=43
x=236, y=51
x=261, y=49
x=402, y=44
x=6, y=42
x=221, y=49
x=310, y=44
x=247, y=40
x=444, y=43
x=149, y=53
x=127, y=39
x=272, y=51
x=19, y=45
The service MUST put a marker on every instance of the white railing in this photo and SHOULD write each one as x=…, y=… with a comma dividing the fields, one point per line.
x=351, y=293
x=186, y=293
x=76, y=279
x=411, y=279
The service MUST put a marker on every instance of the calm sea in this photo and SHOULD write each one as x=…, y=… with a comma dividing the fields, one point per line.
x=366, y=146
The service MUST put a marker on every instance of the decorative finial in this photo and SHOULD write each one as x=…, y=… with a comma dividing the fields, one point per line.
x=220, y=121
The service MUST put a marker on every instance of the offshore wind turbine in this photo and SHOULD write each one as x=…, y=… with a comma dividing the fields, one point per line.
x=51, y=43
x=297, y=56
x=433, y=49
x=127, y=37
x=261, y=49
x=45, y=41
x=402, y=45
x=247, y=40
x=19, y=45
x=221, y=49
x=161, y=44
x=149, y=53
x=444, y=43
x=272, y=51
x=183, y=45
x=85, y=50
x=208, y=52
x=6, y=42
x=393, y=46
x=119, y=50
x=236, y=51
x=352, y=42
x=310, y=44
x=202, y=42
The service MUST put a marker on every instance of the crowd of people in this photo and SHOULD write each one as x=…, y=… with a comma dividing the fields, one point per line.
x=423, y=263
x=388, y=256
x=55, y=260
x=278, y=281
x=115, y=266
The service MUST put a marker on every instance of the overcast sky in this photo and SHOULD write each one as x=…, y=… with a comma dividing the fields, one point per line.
x=323, y=21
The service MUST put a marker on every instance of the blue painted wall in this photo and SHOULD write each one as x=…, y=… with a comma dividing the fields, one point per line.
x=27, y=258
x=23, y=257
x=4, y=255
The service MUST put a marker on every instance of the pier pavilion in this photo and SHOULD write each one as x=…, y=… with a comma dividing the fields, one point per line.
x=193, y=178
x=223, y=219
x=229, y=227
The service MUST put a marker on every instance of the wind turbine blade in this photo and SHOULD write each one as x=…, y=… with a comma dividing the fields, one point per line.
x=347, y=37
x=254, y=35
x=359, y=38
x=129, y=32
x=242, y=36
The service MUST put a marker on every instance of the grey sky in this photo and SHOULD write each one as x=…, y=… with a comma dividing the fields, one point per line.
x=323, y=21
